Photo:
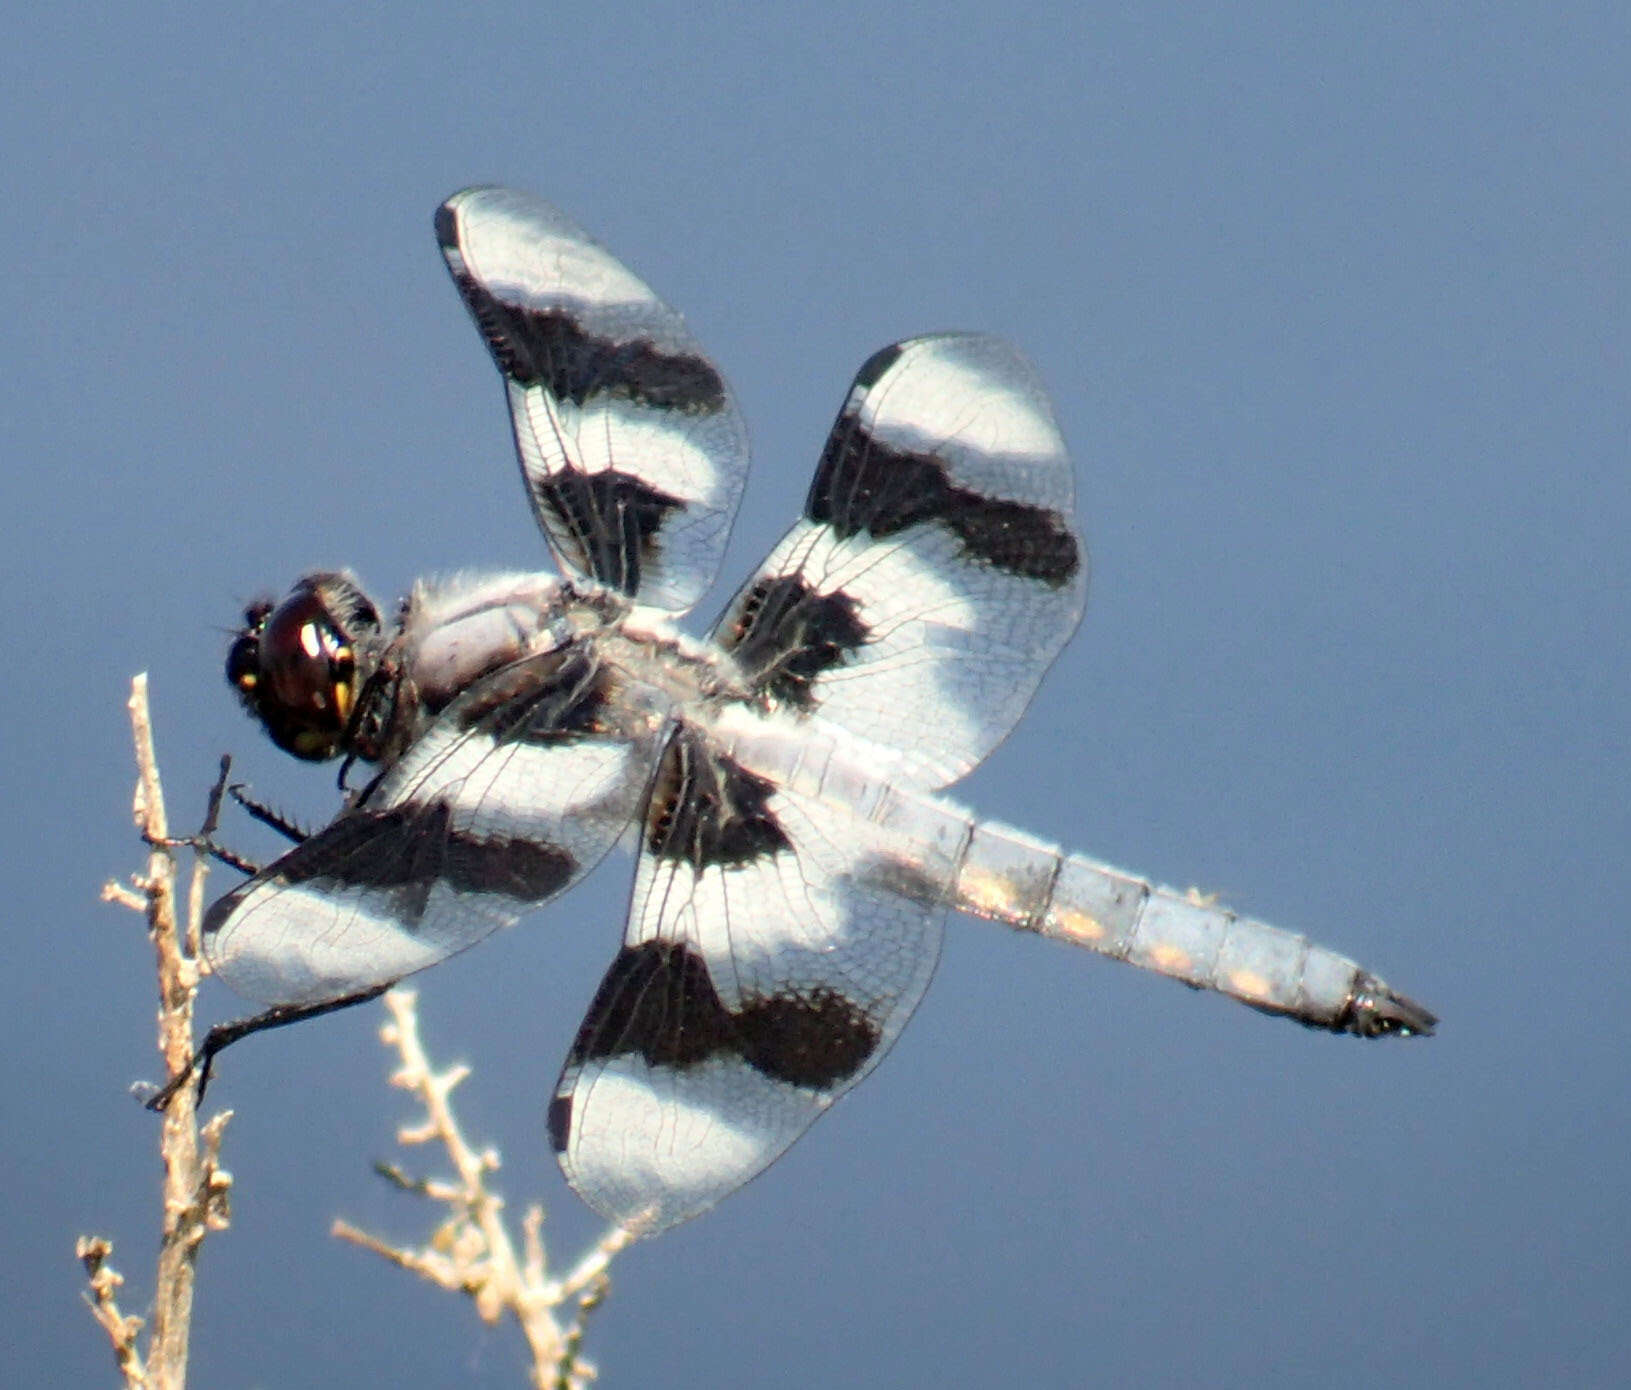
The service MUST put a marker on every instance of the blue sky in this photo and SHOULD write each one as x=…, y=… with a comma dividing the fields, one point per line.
x=1333, y=306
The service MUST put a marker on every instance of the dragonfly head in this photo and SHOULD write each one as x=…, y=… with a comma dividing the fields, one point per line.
x=299, y=666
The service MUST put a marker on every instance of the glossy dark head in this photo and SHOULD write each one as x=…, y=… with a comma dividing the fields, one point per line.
x=298, y=667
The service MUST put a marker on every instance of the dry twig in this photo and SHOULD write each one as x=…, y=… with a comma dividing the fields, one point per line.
x=471, y=1251
x=196, y=1188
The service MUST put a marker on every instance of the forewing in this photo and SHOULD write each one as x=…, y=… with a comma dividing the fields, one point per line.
x=936, y=571
x=510, y=795
x=631, y=445
x=775, y=948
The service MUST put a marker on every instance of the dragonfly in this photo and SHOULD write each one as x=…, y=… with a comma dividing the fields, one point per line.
x=780, y=781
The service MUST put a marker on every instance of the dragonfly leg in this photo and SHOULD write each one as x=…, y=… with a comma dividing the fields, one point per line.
x=275, y=820
x=203, y=840
x=222, y=1035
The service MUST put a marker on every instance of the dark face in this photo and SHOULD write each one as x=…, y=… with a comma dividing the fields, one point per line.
x=298, y=667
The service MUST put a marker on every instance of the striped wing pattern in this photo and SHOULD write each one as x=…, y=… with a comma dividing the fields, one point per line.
x=936, y=571
x=774, y=951
x=631, y=446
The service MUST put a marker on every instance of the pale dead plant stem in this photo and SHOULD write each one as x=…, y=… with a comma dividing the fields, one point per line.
x=473, y=1252
x=196, y=1188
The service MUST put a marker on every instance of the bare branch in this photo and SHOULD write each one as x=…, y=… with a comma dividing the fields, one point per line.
x=93, y=1251
x=472, y=1251
x=196, y=1188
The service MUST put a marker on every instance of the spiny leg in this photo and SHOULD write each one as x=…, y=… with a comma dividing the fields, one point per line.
x=274, y=820
x=203, y=840
x=225, y=1034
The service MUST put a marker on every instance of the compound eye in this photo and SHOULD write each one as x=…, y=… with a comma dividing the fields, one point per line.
x=302, y=670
